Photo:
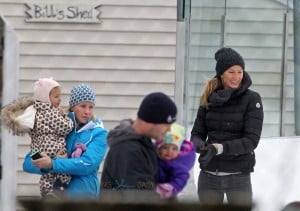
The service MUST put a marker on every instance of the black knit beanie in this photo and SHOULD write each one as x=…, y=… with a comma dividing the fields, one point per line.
x=157, y=108
x=226, y=58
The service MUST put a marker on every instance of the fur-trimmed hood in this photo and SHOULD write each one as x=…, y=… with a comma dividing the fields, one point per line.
x=11, y=111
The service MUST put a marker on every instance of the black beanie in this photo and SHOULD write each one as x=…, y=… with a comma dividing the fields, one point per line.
x=226, y=58
x=157, y=108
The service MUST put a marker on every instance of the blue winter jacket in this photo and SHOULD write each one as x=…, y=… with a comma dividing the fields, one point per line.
x=84, y=170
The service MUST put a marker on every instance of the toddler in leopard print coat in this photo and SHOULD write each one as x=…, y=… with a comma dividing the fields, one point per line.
x=45, y=122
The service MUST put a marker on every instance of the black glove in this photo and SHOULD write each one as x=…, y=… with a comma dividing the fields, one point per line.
x=199, y=144
x=206, y=155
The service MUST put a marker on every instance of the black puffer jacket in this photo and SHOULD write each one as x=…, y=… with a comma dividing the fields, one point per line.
x=131, y=162
x=233, y=119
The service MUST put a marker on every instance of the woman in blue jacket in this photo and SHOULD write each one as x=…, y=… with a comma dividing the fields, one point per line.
x=86, y=147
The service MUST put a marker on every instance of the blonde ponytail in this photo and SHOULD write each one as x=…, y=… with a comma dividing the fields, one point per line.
x=209, y=87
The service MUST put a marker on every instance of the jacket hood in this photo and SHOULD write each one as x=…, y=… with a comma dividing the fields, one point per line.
x=245, y=85
x=124, y=132
x=10, y=112
x=187, y=154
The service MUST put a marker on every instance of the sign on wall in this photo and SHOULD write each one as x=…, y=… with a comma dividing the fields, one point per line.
x=46, y=12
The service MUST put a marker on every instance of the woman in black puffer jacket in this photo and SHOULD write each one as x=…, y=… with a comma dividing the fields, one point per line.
x=226, y=132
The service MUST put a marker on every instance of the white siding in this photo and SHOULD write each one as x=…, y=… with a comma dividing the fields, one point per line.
x=129, y=54
x=255, y=29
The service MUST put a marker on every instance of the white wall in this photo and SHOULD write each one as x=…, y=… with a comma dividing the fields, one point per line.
x=130, y=53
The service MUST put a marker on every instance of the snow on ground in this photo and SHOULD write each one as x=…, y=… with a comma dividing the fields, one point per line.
x=276, y=175
x=275, y=180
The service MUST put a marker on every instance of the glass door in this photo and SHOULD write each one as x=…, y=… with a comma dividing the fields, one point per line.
x=262, y=32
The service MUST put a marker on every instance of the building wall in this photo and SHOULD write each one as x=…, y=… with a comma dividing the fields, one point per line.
x=255, y=29
x=129, y=54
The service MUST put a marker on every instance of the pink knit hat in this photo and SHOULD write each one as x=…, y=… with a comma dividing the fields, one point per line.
x=42, y=89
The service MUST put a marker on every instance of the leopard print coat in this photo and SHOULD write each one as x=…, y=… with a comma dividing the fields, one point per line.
x=50, y=129
x=47, y=135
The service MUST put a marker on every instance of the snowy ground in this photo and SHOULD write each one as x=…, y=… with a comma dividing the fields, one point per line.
x=275, y=180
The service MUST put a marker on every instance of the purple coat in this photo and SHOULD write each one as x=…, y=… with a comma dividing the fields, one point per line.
x=176, y=171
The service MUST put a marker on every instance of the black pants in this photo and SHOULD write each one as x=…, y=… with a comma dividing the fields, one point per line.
x=237, y=187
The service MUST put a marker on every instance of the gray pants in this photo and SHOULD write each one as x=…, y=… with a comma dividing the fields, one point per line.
x=237, y=187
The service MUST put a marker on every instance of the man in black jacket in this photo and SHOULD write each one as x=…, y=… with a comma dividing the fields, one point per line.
x=131, y=163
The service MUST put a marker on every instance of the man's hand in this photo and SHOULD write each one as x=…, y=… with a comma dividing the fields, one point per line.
x=206, y=155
